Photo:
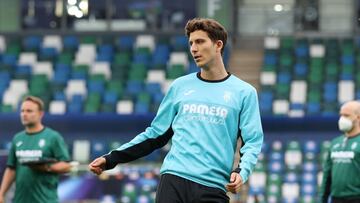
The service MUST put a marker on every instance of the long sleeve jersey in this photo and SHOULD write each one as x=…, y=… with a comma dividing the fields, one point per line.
x=341, y=169
x=204, y=119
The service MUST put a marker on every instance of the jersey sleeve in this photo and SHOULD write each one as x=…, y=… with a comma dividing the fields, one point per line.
x=59, y=149
x=326, y=180
x=251, y=132
x=154, y=137
x=11, y=160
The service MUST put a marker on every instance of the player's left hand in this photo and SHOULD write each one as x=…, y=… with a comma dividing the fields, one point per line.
x=235, y=183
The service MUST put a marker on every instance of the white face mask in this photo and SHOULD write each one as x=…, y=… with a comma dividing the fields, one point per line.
x=345, y=124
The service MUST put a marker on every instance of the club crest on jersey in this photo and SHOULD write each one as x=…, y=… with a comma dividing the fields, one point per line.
x=354, y=145
x=18, y=144
x=42, y=143
x=227, y=96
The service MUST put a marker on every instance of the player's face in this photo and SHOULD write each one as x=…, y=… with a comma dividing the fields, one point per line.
x=202, y=49
x=30, y=114
x=348, y=112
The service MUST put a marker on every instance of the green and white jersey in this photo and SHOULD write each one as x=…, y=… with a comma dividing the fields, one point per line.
x=341, y=169
x=31, y=185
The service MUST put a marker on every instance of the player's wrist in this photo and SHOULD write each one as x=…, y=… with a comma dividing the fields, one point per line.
x=48, y=168
x=236, y=170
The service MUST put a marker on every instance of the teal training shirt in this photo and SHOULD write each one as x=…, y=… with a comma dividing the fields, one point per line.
x=204, y=120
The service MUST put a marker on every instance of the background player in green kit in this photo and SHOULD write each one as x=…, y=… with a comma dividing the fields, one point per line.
x=37, y=143
x=341, y=169
x=204, y=114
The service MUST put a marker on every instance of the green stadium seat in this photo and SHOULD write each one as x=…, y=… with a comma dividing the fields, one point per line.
x=88, y=40
x=122, y=59
x=6, y=108
x=175, y=71
x=65, y=58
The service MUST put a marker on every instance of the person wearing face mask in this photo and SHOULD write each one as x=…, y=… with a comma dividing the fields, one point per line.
x=341, y=180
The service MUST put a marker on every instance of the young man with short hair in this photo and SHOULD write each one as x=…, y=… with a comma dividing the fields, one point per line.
x=204, y=114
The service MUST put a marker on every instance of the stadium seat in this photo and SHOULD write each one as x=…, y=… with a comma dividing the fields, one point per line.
x=129, y=191
x=125, y=107
x=101, y=68
x=108, y=199
x=9, y=59
x=298, y=91
x=53, y=41
x=70, y=43
x=160, y=57
x=179, y=43
x=86, y=54
x=27, y=58
x=272, y=43
x=155, y=76
x=145, y=41
x=268, y=78
x=178, y=58
x=125, y=43
x=290, y=191
x=32, y=43
x=346, y=91
x=57, y=107
x=75, y=87
x=22, y=72
x=44, y=68
x=2, y=44
x=280, y=107
x=81, y=151
x=293, y=154
x=98, y=148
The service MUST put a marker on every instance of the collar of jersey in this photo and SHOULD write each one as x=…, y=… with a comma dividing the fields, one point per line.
x=35, y=132
x=205, y=80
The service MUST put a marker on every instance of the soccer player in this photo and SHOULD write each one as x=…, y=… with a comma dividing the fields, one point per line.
x=342, y=166
x=204, y=114
x=36, y=158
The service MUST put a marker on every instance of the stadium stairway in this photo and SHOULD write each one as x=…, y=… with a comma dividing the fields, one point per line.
x=246, y=60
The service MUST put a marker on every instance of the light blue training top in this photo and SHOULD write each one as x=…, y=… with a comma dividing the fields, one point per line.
x=204, y=120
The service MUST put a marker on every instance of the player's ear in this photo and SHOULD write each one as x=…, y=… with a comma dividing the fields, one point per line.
x=219, y=45
x=42, y=114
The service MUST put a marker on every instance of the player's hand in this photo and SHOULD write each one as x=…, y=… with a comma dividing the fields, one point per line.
x=235, y=183
x=98, y=165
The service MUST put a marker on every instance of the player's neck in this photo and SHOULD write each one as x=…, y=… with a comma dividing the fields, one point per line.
x=34, y=129
x=353, y=133
x=214, y=71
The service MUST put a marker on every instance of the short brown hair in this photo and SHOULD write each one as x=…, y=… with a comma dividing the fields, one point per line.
x=35, y=100
x=213, y=28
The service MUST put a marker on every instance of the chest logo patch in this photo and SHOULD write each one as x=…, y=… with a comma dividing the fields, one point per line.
x=42, y=143
x=227, y=96
x=18, y=144
x=354, y=145
x=189, y=92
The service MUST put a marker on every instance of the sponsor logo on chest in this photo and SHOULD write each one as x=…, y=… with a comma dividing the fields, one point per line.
x=29, y=153
x=342, y=156
x=204, y=109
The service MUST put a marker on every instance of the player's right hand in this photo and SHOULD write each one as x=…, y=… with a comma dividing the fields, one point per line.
x=98, y=165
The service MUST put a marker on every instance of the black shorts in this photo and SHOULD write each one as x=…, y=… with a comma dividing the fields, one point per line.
x=174, y=189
